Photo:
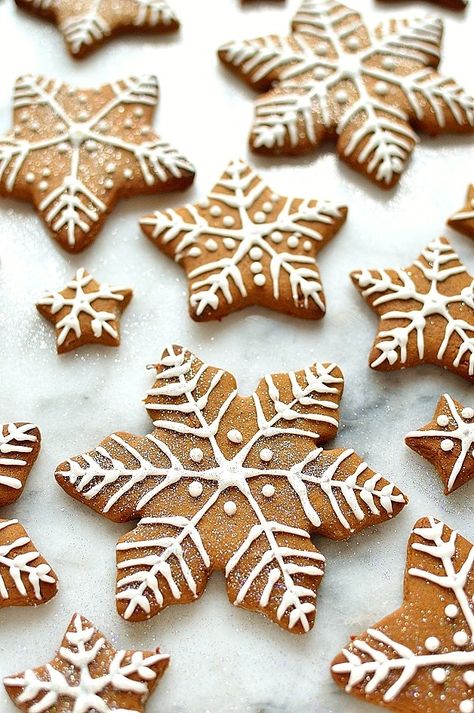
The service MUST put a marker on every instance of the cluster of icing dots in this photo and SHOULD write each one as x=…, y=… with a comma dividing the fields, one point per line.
x=447, y=444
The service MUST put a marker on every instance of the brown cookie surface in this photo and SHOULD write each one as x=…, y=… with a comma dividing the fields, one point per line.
x=463, y=220
x=20, y=445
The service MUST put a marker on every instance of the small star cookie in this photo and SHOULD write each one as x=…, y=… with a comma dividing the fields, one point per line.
x=420, y=659
x=85, y=312
x=20, y=444
x=88, y=674
x=74, y=152
x=463, y=220
x=426, y=312
x=244, y=244
x=88, y=23
x=448, y=442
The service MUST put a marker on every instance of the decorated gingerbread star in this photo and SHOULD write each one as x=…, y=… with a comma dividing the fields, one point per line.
x=73, y=153
x=333, y=77
x=421, y=658
x=87, y=23
x=463, y=220
x=448, y=442
x=452, y=4
x=85, y=312
x=88, y=674
x=244, y=244
x=426, y=312
x=230, y=483
x=20, y=445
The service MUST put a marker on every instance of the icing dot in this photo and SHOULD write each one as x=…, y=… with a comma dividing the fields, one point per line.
x=292, y=241
x=353, y=43
x=447, y=444
x=259, y=280
x=17, y=131
x=307, y=245
x=267, y=207
x=467, y=412
x=228, y=221
x=211, y=245
x=195, y=489
x=451, y=611
x=321, y=49
x=276, y=236
x=466, y=706
x=128, y=123
x=259, y=217
x=60, y=127
x=216, y=211
x=230, y=508
x=35, y=126
x=468, y=678
x=194, y=251
x=319, y=73
x=111, y=168
x=90, y=145
x=127, y=173
x=235, y=436
x=43, y=185
x=381, y=88
x=83, y=115
x=145, y=130
x=268, y=491
x=266, y=454
x=203, y=203
x=432, y=643
x=103, y=125
x=460, y=638
x=442, y=420
x=138, y=111
x=388, y=63
x=229, y=243
x=63, y=148
x=82, y=98
x=30, y=177
x=256, y=253
x=196, y=455
x=341, y=96
x=439, y=675
x=256, y=267
x=275, y=197
x=108, y=183
x=24, y=116
x=46, y=172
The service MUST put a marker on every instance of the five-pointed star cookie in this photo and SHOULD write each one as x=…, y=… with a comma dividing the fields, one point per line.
x=463, y=220
x=73, y=153
x=448, y=442
x=420, y=659
x=426, y=312
x=85, y=312
x=244, y=244
x=334, y=78
x=20, y=445
x=230, y=483
x=88, y=674
x=87, y=23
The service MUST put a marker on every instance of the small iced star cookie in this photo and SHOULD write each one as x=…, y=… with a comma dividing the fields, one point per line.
x=426, y=312
x=463, y=220
x=420, y=659
x=20, y=444
x=244, y=244
x=87, y=23
x=448, y=442
x=88, y=674
x=85, y=312
x=74, y=152
x=231, y=483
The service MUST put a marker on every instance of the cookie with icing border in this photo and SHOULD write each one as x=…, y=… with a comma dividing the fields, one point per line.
x=231, y=483
x=74, y=152
x=85, y=24
x=463, y=220
x=420, y=658
x=244, y=244
x=85, y=312
x=20, y=444
x=88, y=674
x=335, y=77
x=448, y=442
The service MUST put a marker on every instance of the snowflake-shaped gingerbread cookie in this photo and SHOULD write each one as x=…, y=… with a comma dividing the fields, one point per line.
x=87, y=23
x=426, y=312
x=421, y=657
x=244, y=244
x=230, y=483
x=88, y=674
x=74, y=152
x=463, y=220
x=333, y=77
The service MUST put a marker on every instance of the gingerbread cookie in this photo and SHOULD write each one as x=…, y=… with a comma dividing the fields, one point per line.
x=20, y=445
x=333, y=77
x=244, y=244
x=87, y=23
x=88, y=674
x=74, y=152
x=426, y=312
x=420, y=659
x=452, y=4
x=463, y=220
x=85, y=312
x=230, y=483
x=448, y=442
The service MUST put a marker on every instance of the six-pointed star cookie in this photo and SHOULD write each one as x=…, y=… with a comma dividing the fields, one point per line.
x=244, y=244
x=426, y=312
x=448, y=442
x=74, y=152
x=20, y=445
x=334, y=78
x=88, y=674
x=463, y=220
x=420, y=659
x=86, y=23
x=85, y=312
x=230, y=483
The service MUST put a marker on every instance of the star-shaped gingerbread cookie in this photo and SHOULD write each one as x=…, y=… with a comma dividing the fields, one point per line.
x=244, y=244
x=87, y=23
x=420, y=659
x=448, y=442
x=463, y=220
x=85, y=312
x=452, y=4
x=426, y=312
x=88, y=674
x=369, y=89
x=20, y=444
x=74, y=152
x=230, y=483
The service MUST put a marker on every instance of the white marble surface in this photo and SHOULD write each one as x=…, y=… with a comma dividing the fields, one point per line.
x=224, y=660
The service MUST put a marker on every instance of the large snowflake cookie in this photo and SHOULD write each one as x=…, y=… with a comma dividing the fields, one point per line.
x=20, y=445
x=230, y=483
x=85, y=312
x=426, y=312
x=420, y=659
x=463, y=220
x=244, y=244
x=87, y=23
x=74, y=152
x=88, y=674
x=448, y=442
x=332, y=77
